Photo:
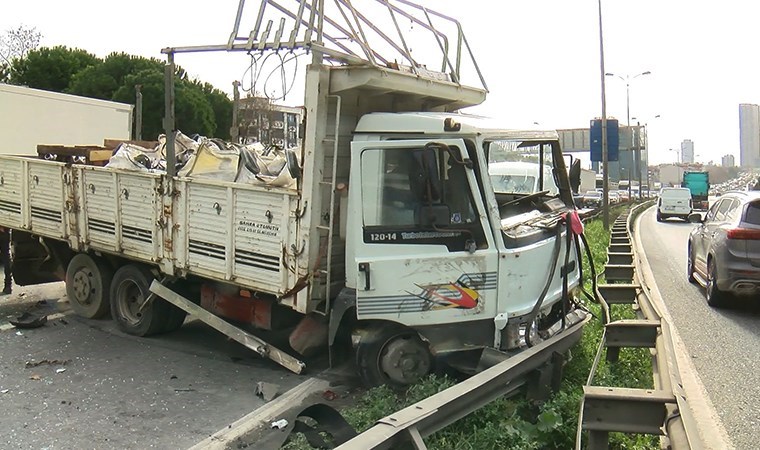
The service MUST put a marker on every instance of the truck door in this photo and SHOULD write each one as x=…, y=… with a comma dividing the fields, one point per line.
x=422, y=253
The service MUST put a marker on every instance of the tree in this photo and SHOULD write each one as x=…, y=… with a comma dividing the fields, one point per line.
x=50, y=68
x=15, y=44
x=102, y=80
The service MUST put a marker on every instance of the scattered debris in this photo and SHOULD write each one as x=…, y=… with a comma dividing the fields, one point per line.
x=4, y=391
x=35, y=377
x=27, y=320
x=63, y=321
x=61, y=370
x=42, y=302
x=184, y=390
x=267, y=391
x=52, y=362
x=173, y=377
x=18, y=333
x=22, y=295
x=329, y=395
x=280, y=424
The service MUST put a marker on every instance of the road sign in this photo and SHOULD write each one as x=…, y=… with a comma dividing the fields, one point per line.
x=613, y=140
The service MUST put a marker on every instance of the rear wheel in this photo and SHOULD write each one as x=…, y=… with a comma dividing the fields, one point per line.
x=88, y=279
x=392, y=354
x=659, y=216
x=715, y=297
x=129, y=292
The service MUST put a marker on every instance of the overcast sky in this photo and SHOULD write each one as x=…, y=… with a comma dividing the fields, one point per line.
x=540, y=58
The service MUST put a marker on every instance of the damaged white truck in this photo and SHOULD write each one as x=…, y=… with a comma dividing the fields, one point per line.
x=392, y=244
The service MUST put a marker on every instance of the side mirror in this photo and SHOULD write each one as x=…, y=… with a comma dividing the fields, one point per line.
x=696, y=218
x=575, y=175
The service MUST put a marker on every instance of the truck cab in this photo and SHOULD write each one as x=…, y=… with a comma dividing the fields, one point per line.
x=436, y=245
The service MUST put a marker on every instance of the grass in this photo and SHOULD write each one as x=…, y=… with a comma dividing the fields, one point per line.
x=517, y=423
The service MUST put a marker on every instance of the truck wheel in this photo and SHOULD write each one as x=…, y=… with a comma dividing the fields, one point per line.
x=88, y=279
x=177, y=315
x=392, y=354
x=129, y=290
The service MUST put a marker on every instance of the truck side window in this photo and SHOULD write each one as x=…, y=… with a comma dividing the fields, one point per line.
x=415, y=189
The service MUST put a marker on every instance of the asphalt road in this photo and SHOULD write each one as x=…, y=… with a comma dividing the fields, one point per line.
x=119, y=391
x=723, y=343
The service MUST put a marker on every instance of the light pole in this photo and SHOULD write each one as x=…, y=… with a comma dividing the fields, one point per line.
x=627, y=79
x=645, y=141
x=605, y=161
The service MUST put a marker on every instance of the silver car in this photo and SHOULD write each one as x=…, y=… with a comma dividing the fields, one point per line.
x=724, y=248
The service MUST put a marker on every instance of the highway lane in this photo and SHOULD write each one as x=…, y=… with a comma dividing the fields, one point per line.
x=724, y=343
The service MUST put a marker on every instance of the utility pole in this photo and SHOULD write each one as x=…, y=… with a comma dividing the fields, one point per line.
x=138, y=112
x=606, y=176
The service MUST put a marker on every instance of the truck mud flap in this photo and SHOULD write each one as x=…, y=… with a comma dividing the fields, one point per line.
x=38, y=261
x=248, y=340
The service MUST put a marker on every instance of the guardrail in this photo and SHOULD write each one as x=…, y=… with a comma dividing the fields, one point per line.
x=663, y=410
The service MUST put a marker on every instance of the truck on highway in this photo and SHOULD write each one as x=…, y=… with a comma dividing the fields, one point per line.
x=392, y=246
x=30, y=117
x=699, y=185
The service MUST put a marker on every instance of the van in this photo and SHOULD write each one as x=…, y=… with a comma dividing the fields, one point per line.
x=674, y=202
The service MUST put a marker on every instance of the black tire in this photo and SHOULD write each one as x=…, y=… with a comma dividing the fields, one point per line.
x=659, y=216
x=690, y=266
x=129, y=289
x=715, y=297
x=88, y=282
x=177, y=315
x=375, y=344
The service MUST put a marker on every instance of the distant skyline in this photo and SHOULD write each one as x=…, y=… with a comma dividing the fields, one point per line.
x=539, y=58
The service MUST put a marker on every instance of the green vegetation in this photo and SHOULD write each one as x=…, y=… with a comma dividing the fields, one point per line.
x=518, y=423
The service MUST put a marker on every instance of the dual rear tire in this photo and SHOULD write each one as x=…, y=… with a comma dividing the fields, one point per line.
x=94, y=289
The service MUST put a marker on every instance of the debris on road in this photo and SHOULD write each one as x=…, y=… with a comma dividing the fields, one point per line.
x=4, y=391
x=61, y=370
x=52, y=362
x=28, y=320
x=279, y=424
x=267, y=391
x=185, y=390
x=18, y=333
x=35, y=377
x=329, y=395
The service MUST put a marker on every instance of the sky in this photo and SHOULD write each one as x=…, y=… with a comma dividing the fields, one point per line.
x=540, y=58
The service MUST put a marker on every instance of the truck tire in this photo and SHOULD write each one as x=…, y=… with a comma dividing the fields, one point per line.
x=177, y=315
x=391, y=354
x=88, y=280
x=129, y=290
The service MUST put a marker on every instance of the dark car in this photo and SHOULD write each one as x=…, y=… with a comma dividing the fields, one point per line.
x=724, y=248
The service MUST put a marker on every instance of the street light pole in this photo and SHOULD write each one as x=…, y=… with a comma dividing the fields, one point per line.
x=637, y=152
x=606, y=177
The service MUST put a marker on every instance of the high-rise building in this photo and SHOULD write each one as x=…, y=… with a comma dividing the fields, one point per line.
x=687, y=151
x=749, y=135
x=727, y=161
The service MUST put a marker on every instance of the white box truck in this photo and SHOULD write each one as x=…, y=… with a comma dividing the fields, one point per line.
x=392, y=246
x=29, y=117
